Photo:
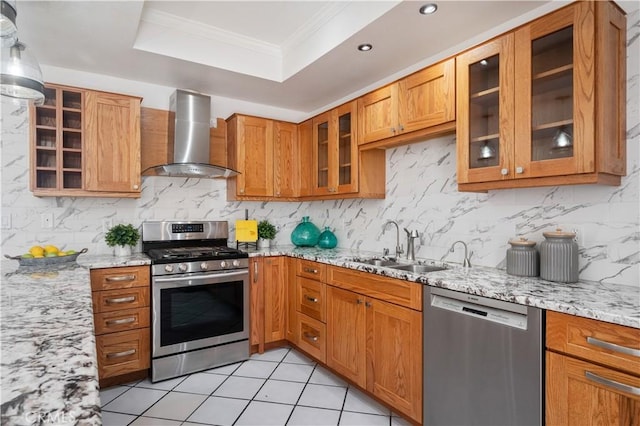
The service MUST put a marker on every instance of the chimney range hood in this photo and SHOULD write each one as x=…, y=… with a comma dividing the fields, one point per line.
x=189, y=115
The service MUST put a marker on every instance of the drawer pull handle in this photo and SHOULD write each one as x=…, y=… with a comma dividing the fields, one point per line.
x=121, y=300
x=310, y=337
x=311, y=270
x=121, y=321
x=613, y=384
x=121, y=278
x=121, y=354
x=613, y=347
x=311, y=299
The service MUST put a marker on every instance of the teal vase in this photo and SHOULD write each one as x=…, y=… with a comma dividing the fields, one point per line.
x=306, y=234
x=327, y=239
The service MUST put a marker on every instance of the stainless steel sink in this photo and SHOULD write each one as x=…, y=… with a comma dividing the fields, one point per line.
x=380, y=262
x=419, y=268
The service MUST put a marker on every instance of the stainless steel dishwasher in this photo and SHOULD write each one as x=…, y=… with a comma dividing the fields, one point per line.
x=483, y=361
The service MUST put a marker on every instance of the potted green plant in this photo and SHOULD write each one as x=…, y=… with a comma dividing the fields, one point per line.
x=266, y=233
x=122, y=237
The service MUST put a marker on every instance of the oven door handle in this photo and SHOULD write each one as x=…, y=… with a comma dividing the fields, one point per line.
x=223, y=275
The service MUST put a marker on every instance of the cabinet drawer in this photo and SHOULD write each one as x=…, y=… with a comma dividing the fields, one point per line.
x=314, y=270
x=311, y=298
x=115, y=300
x=121, y=320
x=123, y=352
x=613, y=345
x=399, y=292
x=125, y=277
x=312, y=337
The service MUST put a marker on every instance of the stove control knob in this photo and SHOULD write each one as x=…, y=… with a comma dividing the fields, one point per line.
x=223, y=264
x=204, y=266
x=236, y=263
x=182, y=267
x=168, y=268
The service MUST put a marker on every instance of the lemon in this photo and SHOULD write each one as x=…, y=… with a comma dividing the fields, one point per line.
x=27, y=256
x=62, y=253
x=51, y=254
x=36, y=251
x=38, y=256
x=71, y=252
x=51, y=249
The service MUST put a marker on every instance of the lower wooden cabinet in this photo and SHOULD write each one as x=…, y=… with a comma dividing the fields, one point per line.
x=374, y=336
x=580, y=393
x=268, y=309
x=121, y=320
x=593, y=374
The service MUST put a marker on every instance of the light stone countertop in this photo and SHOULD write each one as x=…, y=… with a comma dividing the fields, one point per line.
x=48, y=368
x=618, y=304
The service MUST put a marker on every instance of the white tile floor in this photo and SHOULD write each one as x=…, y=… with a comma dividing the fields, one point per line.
x=279, y=387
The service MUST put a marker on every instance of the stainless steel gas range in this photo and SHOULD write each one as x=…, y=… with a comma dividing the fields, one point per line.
x=200, y=297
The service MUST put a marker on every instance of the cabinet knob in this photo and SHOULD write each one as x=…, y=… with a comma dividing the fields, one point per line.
x=519, y=170
x=242, y=191
x=277, y=194
x=401, y=128
x=504, y=172
x=393, y=130
x=136, y=186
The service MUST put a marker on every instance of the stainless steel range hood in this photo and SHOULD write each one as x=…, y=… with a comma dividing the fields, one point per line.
x=189, y=117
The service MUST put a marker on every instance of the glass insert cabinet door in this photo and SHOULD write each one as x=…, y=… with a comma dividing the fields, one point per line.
x=485, y=130
x=335, y=152
x=555, y=78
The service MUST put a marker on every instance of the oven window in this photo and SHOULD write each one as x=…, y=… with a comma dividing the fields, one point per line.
x=193, y=313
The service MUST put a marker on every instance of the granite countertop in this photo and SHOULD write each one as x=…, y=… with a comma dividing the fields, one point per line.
x=48, y=369
x=618, y=304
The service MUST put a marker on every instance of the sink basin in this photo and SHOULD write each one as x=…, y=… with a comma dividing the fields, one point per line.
x=419, y=268
x=380, y=262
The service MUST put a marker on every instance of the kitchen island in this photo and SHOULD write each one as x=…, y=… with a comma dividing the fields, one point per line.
x=48, y=357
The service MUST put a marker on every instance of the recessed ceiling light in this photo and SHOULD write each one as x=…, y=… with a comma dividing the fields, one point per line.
x=365, y=47
x=428, y=9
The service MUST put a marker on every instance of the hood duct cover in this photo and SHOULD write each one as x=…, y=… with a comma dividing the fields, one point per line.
x=189, y=115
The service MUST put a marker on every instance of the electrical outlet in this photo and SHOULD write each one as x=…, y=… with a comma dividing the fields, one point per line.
x=6, y=222
x=107, y=224
x=46, y=220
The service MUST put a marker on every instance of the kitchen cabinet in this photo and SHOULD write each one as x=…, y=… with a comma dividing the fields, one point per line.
x=310, y=305
x=335, y=151
x=593, y=372
x=339, y=168
x=264, y=151
x=121, y=300
x=422, y=100
x=85, y=143
x=545, y=104
x=379, y=334
x=268, y=315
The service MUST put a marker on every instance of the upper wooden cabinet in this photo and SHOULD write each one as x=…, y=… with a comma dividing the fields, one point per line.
x=420, y=101
x=264, y=151
x=335, y=151
x=85, y=144
x=545, y=104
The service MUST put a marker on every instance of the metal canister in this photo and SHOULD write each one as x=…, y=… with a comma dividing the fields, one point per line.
x=522, y=258
x=559, y=257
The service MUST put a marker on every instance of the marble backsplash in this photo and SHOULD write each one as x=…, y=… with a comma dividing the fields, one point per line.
x=421, y=194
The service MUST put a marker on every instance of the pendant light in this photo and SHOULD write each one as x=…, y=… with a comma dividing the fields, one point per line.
x=20, y=76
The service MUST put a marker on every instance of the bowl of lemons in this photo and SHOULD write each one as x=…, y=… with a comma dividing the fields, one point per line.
x=47, y=255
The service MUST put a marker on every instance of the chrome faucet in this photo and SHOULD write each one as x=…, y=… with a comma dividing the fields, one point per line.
x=399, y=249
x=466, y=263
x=411, y=236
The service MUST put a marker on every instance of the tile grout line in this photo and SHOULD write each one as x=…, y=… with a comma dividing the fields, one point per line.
x=258, y=391
x=301, y=392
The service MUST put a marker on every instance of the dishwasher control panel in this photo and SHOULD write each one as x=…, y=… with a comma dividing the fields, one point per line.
x=487, y=313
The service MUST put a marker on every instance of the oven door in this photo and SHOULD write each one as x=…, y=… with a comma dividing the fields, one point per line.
x=199, y=310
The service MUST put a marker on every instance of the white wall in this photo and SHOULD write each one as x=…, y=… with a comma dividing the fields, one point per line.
x=421, y=194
